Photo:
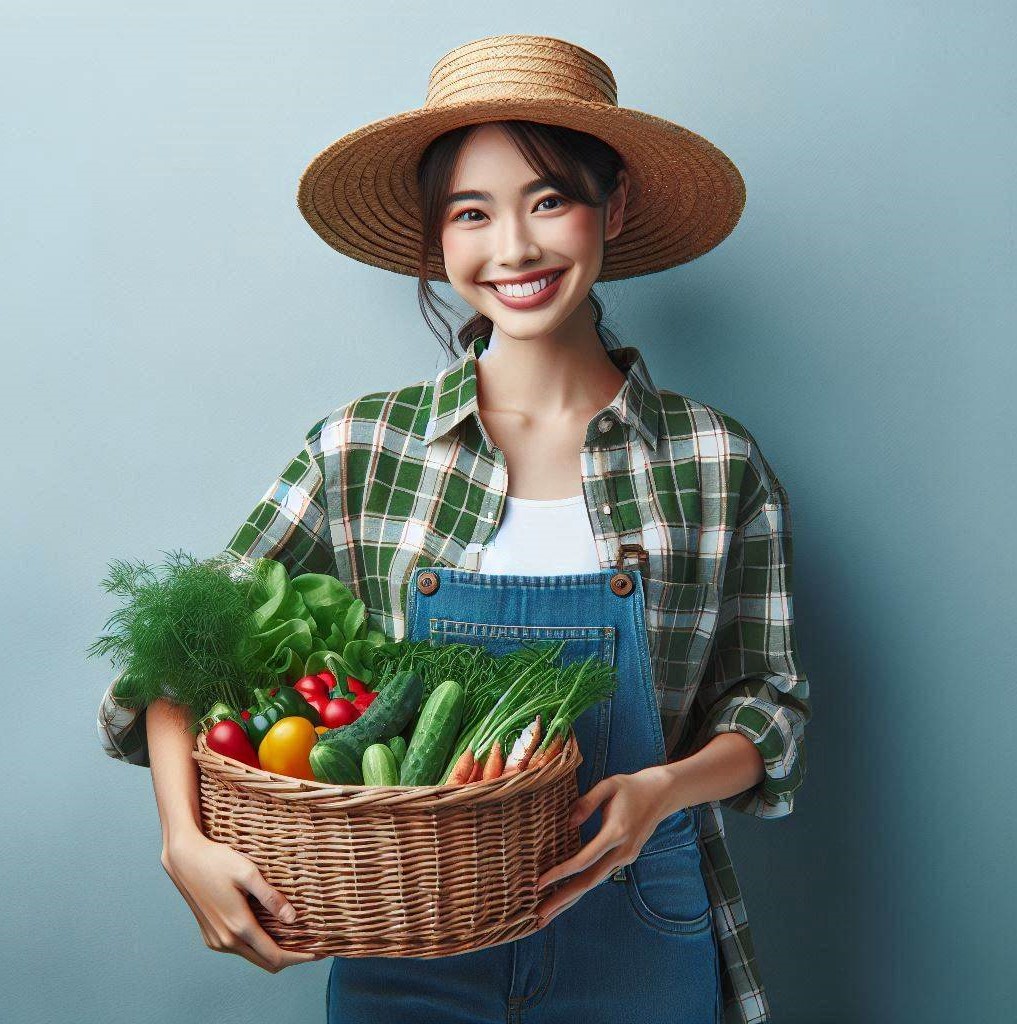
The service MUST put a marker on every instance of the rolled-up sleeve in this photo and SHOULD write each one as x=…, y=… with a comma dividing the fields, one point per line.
x=754, y=683
x=290, y=525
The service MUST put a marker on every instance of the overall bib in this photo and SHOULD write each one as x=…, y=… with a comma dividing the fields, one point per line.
x=638, y=948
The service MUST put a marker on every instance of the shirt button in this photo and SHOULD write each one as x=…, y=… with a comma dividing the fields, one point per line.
x=605, y=424
x=606, y=509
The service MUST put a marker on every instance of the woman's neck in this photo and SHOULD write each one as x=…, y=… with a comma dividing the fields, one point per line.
x=567, y=374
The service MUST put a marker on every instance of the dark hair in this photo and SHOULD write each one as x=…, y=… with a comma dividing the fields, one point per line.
x=567, y=158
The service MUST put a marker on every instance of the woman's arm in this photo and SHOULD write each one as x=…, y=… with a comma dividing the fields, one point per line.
x=174, y=771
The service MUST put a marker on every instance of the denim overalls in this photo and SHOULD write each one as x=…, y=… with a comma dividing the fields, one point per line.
x=635, y=949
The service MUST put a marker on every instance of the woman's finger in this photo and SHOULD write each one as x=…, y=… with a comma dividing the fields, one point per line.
x=568, y=894
x=271, y=899
x=600, y=845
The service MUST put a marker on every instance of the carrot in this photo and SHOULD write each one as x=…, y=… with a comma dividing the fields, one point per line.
x=463, y=769
x=495, y=762
x=478, y=771
x=552, y=751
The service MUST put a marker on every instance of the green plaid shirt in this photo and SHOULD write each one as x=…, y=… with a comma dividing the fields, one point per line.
x=396, y=479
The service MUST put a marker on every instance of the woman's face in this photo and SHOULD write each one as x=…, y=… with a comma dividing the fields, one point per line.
x=508, y=227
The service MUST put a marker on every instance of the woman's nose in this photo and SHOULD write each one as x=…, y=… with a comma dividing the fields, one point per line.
x=514, y=243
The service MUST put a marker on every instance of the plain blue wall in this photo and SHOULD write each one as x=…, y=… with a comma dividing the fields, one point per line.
x=172, y=327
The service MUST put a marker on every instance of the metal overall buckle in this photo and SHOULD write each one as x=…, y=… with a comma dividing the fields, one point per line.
x=621, y=581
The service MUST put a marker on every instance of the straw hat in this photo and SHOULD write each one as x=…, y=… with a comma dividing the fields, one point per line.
x=360, y=193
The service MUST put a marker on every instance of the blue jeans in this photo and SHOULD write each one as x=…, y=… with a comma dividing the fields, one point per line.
x=639, y=947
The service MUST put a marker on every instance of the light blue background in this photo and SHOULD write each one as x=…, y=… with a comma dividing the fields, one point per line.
x=172, y=327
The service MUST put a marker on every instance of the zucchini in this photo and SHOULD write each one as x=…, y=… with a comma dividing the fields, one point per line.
x=379, y=766
x=398, y=745
x=434, y=736
x=331, y=762
x=386, y=716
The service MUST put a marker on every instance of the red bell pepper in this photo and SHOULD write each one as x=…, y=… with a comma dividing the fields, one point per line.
x=229, y=739
x=312, y=686
x=355, y=685
x=364, y=700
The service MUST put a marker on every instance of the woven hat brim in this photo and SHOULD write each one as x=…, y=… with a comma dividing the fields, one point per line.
x=360, y=194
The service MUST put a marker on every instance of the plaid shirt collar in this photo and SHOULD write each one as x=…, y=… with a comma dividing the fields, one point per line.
x=637, y=403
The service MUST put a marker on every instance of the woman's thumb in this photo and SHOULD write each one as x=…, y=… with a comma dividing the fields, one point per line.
x=273, y=900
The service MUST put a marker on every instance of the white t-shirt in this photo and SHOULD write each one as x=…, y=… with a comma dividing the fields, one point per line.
x=542, y=538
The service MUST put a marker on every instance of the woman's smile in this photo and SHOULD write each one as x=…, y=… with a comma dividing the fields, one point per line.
x=530, y=294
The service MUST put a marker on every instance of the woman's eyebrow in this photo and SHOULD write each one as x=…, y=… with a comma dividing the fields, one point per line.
x=534, y=186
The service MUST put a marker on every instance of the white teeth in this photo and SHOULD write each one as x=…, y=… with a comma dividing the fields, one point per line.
x=530, y=288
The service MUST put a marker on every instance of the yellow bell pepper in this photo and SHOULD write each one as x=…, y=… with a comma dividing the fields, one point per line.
x=286, y=748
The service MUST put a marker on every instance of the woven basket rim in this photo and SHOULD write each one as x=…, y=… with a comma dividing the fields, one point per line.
x=243, y=776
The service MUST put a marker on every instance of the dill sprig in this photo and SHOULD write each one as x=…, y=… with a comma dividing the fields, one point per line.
x=178, y=634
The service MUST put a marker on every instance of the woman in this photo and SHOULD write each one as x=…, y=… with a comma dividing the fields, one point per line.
x=461, y=502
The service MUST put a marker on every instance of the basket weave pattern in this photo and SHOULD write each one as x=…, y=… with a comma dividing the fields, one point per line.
x=421, y=871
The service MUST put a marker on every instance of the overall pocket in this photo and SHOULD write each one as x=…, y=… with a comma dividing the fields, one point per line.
x=665, y=883
x=592, y=727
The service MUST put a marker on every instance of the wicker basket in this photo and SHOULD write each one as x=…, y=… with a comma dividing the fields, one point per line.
x=418, y=871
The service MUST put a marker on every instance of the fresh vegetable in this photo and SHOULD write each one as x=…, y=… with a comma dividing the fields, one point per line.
x=269, y=710
x=333, y=762
x=355, y=685
x=522, y=750
x=219, y=712
x=379, y=766
x=310, y=623
x=179, y=634
x=319, y=729
x=495, y=761
x=398, y=745
x=286, y=747
x=295, y=703
x=339, y=712
x=364, y=700
x=310, y=687
x=227, y=737
x=385, y=717
x=461, y=770
x=433, y=736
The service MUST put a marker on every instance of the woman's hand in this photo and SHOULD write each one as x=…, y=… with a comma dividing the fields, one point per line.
x=636, y=804
x=214, y=879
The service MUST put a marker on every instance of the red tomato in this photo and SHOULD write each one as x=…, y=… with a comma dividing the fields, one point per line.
x=364, y=700
x=311, y=686
x=338, y=712
x=330, y=679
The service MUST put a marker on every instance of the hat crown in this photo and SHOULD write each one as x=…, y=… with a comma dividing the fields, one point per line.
x=518, y=67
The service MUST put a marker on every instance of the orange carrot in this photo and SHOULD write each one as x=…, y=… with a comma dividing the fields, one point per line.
x=463, y=769
x=495, y=762
x=478, y=771
x=552, y=750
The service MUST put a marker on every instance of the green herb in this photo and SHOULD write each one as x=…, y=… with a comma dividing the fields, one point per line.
x=180, y=633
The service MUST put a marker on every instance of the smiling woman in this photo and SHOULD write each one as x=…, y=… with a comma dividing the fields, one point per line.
x=520, y=182
x=564, y=216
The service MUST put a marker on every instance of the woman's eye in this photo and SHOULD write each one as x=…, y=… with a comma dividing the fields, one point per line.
x=547, y=199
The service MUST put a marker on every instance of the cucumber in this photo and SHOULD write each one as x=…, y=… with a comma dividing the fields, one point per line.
x=379, y=766
x=331, y=762
x=434, y=736
x=398, y=746
x=386, y=716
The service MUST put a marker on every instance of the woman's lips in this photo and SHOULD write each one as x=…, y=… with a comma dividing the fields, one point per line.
x=529, y=301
